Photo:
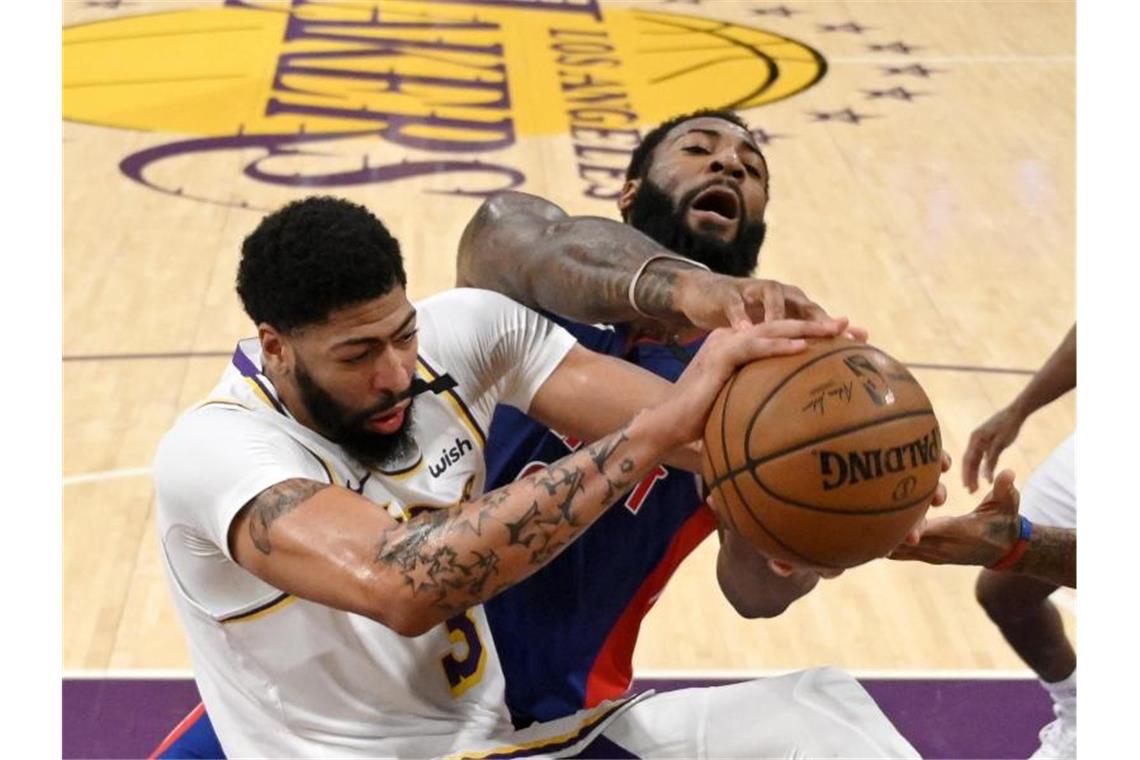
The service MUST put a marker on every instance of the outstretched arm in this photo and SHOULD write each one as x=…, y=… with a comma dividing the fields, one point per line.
x=990, y=533
x=580, y=267
x=332, y=546
x=1057, y=376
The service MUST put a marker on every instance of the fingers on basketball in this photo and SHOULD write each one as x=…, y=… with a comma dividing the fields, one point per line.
x=824, y=459
x=773, y=295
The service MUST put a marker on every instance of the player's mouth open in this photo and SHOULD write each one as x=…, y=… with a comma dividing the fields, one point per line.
x=389, y=421
x=718, y=203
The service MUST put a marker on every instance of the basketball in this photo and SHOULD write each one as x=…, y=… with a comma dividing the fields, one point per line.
x=826, y=457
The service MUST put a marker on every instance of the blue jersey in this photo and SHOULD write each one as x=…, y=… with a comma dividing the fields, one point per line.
x=566, y=634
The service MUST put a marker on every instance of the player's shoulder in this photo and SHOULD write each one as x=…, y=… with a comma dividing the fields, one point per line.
x=468, y=317
x=213, y=425
x=466, y=303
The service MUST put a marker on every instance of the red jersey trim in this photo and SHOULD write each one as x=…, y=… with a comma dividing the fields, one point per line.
x=612, y=670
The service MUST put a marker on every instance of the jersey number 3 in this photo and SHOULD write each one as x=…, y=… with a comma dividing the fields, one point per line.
x=463, y=665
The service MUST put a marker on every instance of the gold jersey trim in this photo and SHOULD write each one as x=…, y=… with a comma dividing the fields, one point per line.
x=546, y=744
x=458, y=404
x=273, y=605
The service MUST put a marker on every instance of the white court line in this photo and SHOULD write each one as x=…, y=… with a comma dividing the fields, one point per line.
x=128, y=673
x=92, y=477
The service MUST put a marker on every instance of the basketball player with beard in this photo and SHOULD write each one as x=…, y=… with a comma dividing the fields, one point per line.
x=698, y=185
x=331, y=584
x=693, y=208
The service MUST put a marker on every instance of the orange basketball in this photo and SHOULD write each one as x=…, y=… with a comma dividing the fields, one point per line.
x=827, y=457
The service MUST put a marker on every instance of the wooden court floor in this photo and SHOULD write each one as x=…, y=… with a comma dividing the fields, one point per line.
x=922, y=183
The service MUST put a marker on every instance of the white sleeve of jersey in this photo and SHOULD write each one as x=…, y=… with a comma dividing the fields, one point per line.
x=508, y=350
x=214, y=461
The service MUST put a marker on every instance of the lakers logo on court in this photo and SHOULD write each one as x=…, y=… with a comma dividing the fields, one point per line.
x=435, y=94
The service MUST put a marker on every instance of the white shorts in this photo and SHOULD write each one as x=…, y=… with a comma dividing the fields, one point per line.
x=1050, y=494
x=822, y=712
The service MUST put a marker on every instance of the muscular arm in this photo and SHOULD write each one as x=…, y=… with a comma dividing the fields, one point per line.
x=330, y=545
x=579, y=267
x=988, y=533
x=591, y=393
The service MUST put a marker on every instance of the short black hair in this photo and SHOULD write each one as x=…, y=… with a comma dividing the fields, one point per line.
x=315, y=256
x=640, y=161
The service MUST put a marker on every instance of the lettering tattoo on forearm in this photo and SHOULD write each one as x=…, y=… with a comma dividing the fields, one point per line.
x=275, y=502
x=437, y=556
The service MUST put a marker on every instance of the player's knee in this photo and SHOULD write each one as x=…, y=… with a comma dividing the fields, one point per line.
x=837, y=677
x=847, y=721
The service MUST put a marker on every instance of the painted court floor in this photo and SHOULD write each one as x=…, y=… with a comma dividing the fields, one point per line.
x=944, y=718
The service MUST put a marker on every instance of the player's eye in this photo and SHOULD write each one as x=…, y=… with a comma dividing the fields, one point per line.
x=355, y=359
x=752, y=170
x=406, y=338
x=695, y=150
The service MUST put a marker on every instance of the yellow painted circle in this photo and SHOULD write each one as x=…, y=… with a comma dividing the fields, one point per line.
x=218, y=71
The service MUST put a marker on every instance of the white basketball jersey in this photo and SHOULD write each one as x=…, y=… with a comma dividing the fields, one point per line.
x=282, y=676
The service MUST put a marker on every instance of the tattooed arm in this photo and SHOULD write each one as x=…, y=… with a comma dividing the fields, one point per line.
x=580, y=267
x=333, y=546
x=987, y=534
x=1050, y=556
x=590, y=394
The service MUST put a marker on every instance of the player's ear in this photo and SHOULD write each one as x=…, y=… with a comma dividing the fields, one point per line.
x=274, y=348
x=628, y=193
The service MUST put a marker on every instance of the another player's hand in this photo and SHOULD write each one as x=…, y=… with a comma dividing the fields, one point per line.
x=987, y=442
x=709, y=300
x=981, y=537
x=723, y=352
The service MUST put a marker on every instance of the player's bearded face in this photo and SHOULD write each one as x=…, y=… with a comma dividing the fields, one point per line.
x=654, y=213
x=349, y=428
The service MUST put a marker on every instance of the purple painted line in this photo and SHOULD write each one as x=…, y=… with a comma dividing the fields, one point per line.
x=966, y=718
x=943, y=718
x=106, y=718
